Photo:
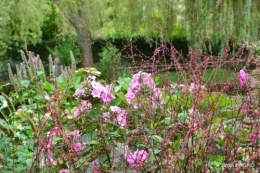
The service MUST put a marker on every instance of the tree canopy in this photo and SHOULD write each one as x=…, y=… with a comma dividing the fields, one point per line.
x=215, y=21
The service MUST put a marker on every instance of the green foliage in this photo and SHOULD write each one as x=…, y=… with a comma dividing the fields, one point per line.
x=63, y=48
x=110, y=60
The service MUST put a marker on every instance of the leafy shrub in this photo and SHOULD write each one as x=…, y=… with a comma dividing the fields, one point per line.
x=110, y=59
x=62, y=51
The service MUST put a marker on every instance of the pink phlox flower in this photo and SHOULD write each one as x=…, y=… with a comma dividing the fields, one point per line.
x=75, y=134
x=50, y=156
x=80, y=92
x=85, y=105
x=50, y=134
x=136, y=158
x=100, y=91
x=115, y=109
x=78, y=146
x=91, y=78
x=64, y=171
x=247, y=106
x=242, y=78
x=121, y=115
x=130, y=95
x=77, y=113
x=95, y=162
x=254, y=138
x=139, y=81
x=106, y=114
x=106, y=95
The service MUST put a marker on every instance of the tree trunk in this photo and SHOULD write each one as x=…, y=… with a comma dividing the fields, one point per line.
x=85, y=43
x=79, y=21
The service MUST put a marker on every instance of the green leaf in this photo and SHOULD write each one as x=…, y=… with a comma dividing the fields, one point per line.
x=3, y=102
x=121, y=131
x=116, y=102
x=93, y=142
x=48, y=86
x=25, y=83
x=183, y=117
x=90, y=127
x=117, y=88
x=157, y=138
x=56, y=138
x=156, y=151
x=38, y=97
x=28, y=162
x=60, y=81
x=40, y=74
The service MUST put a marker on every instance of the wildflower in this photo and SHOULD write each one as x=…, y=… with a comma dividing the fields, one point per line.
x=106, y=95
x=64, y=171
x=100, y=91
x=242, y=78
x=84, y=106
x=75, y=134
x=247, y=106
x=121, y=115
x=254, y=138
x=142, y=81
x=78, y=146
x=80, y=92
x=136, y=158
x=91, y=78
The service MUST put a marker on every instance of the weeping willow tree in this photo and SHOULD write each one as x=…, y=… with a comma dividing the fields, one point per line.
x=216, y=21
x=20, y=20
x=222, y=21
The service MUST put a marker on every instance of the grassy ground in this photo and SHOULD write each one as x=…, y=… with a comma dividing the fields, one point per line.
x=209, y=75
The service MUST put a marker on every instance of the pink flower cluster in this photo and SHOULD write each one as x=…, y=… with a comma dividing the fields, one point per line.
x=85, y=105
x=80, y=92
x=78, y=146
x=64, y=171
x=242, y=78
x=120, y=115
x=254, y=138
x=140, y=81
x=136, y=158
x=50, y=135
x=75, y=135
x=100, y=91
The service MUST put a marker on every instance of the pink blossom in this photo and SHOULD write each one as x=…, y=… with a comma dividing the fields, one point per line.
x=77, y=113
x=254, y=138
x=106, y=95
x=96, y=93
x=100, y=91
x=106, y=114
x=64, y=171
x=80, y=92
x=121, y=115
x=91, y=78
x=78, y=146
x=85, y=105
x=75, y=134
x=247, y=106
x=136, y=158
x=139, y=81
x=242, y=78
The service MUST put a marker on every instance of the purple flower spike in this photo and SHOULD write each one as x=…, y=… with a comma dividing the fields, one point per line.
x=242, y=78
